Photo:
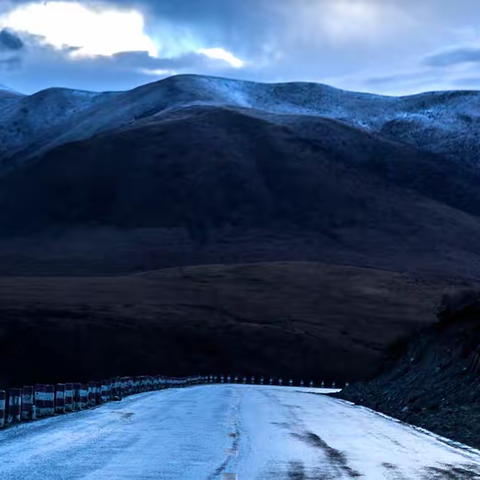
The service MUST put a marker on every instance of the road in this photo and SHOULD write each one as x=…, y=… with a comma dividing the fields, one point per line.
x=229, y=432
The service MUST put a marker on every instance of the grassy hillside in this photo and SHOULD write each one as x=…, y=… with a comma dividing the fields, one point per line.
x=315, y=320
x=205, y=185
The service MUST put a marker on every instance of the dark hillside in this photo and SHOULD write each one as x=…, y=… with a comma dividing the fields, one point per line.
x=218, y=183
x=433, y=379
x=294, y=319
x=371, y=203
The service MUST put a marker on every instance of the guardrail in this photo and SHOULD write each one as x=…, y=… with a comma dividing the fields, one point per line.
x=245, y=379
x=31, y=403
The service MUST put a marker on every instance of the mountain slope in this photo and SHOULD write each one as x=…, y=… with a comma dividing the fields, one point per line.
x=441, y=122
x=31, y=119
x=4, y=90
x=218, y=174
x=291, y=319
x=195, y=170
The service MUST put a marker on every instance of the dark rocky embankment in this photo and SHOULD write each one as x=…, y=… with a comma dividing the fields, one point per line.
x=432, y=379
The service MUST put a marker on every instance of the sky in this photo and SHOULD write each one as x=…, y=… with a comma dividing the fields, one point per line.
x=393, y=47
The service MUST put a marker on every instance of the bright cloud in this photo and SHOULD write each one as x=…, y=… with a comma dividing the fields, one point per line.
x=221, y=54
x=342, y=22
x=345, y=19
x=94, y=32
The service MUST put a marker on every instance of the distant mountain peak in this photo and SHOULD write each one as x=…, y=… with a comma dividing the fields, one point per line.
x=4, y=88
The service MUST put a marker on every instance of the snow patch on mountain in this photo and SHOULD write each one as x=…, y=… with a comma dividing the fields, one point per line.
x=33, y=118
x=442, y=122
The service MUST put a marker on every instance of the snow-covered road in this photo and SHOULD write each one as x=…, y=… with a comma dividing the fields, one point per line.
x=225, y=432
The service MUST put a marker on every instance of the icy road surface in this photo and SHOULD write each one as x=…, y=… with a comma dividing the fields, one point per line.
x=229, y=432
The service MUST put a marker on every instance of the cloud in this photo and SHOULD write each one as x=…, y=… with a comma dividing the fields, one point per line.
x=454, y=56
x=68, y=41
x=345, y=21
x=277, y=40
x=384, y=46
x=144, y=62
x=93, y=31
x=9, y=41
x=41, y=65
x=222, y=54
x=10, y=50
x=421, y=76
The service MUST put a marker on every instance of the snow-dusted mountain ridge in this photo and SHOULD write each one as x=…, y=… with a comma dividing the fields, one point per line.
x=442, y=122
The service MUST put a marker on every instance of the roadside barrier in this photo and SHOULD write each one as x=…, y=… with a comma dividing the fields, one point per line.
x=3, y=407
x=98, y=393
x=69, y=397
x=40, y=401
x=60, y=398
x=118, y=388
x=14, y=405
x=84, y=396
x=92, y=394
x=106, y=392
x=28, y=410
x=77, y=387
x=272, y=381
x=50, y=400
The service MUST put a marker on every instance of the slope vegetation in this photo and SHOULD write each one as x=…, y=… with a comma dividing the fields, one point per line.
x=440, y=122
x=226, y=186
x=207, y=171
x=431, y=378
x=291, y=319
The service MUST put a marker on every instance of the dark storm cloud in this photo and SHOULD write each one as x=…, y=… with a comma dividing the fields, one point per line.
x=10, y=41
x=10, y=51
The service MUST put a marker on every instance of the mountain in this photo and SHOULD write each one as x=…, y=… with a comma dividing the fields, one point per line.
x=196, y=170
x=440, y=122
x=8, y=96
x=209, y=223
x=3, y=88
